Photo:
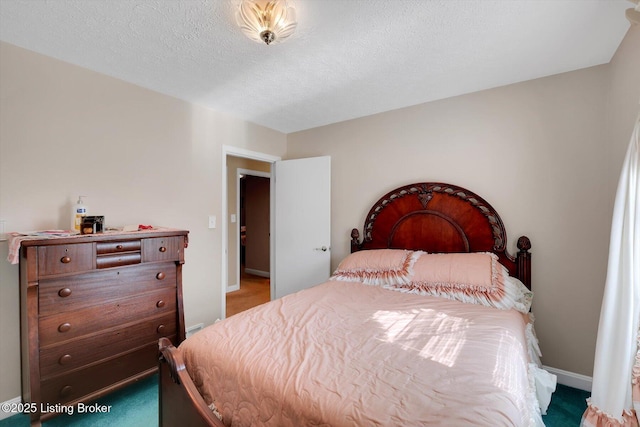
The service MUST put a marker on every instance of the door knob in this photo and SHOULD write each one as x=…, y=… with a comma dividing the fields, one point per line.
x=323, y=249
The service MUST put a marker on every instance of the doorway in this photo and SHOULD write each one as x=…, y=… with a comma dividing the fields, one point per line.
x=247, y=187
x=250, y=221
x=301, y=197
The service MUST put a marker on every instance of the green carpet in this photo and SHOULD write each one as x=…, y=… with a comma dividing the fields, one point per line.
x=137, y=406
x=133, y=406
x=567, y=406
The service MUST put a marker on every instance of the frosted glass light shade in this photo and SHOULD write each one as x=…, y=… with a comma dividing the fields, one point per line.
x=266, y=21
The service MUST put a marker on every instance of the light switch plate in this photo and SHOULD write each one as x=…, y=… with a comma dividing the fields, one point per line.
x=233, y=218
x=212, y=221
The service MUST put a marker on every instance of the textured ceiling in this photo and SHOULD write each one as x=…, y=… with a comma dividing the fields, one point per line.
x=347, y=59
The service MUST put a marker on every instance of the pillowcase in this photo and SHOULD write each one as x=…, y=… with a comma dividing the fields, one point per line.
x=476, y=278
x=378, y=267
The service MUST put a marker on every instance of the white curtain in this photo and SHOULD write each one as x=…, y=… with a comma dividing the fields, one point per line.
x=616, y=373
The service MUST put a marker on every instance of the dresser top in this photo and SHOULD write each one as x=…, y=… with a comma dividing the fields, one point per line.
x=106, y=236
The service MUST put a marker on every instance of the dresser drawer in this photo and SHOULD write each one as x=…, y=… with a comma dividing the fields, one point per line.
x=103, y=248
x=68, y=293
x=73, y=354
x=65, y=326
x=162, y=249
x=118, y=260
x=117, y=254
x=76, y=384
x=60, y=259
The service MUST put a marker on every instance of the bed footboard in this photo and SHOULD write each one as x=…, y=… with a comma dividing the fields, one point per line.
x=179, y=400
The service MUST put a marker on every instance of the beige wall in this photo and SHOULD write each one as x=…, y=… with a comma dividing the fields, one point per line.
x=543, y=153
x=139, y=156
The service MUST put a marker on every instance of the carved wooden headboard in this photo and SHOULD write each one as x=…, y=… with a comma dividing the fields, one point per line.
x=438, y=217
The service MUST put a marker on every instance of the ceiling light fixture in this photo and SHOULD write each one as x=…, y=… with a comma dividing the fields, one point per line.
x=633, y=15
x=266, y=21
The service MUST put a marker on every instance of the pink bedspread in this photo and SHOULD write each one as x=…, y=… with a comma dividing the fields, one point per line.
x=348, y=354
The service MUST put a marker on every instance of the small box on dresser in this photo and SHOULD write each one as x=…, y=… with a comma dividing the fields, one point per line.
x=92, y=309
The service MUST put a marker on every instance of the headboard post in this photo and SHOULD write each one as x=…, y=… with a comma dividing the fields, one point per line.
x=523, y=260
x=355, y=240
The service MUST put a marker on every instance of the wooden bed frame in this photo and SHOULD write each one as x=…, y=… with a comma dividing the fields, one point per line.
x=438, y=217
x=434, y=217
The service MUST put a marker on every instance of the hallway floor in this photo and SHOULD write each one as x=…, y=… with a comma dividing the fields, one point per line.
x=254, y=290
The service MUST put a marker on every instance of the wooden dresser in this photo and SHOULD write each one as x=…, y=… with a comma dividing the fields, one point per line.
x=92, y=310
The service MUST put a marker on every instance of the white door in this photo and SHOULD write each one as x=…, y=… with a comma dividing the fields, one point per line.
x=302, y=224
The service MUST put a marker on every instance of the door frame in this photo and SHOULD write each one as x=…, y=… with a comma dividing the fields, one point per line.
x=228, y=150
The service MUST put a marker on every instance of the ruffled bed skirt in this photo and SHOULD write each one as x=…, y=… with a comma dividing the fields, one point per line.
x=593, y=417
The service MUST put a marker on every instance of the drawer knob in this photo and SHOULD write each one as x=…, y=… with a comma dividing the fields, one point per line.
x=160, y=304
x=65, y=260
x=160, y=276
x=65, y=327
x=66, y=391
x=161, y=329
x=119, y=247
x=65, y=292
x=64, y=359
x=162, y=249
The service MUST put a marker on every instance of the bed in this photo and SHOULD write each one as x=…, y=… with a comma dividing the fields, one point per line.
x=426, y=323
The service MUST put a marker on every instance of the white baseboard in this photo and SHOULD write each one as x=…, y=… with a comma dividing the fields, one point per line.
x=571, y=379
x=232, y=288
x=13, y=401
x=193, y=329
x=257, y=272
